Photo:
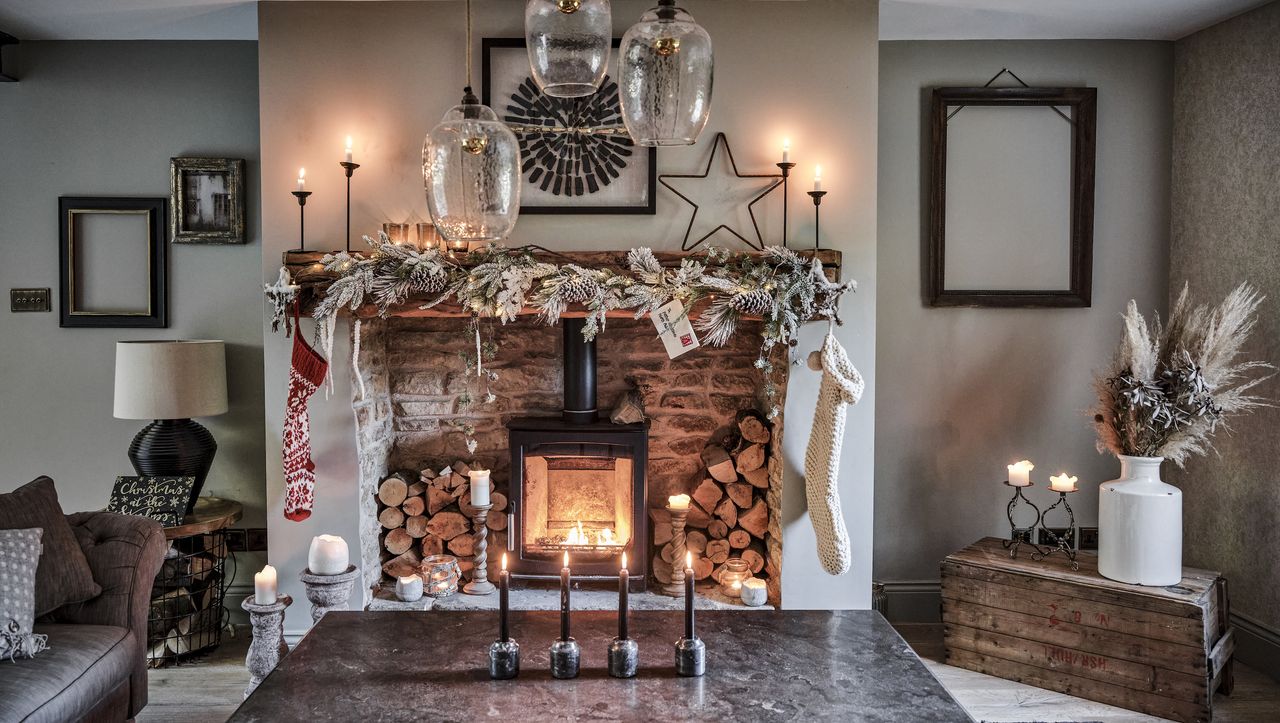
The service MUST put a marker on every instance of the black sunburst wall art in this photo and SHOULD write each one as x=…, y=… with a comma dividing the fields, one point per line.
x=567, y=172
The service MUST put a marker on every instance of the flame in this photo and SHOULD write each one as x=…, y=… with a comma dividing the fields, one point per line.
x=580, y=536
x=504, y=561
x=566, y=558
x=624, y=561
x=688, y=560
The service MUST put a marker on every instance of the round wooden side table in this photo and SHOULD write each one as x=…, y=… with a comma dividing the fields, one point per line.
x=187, y=613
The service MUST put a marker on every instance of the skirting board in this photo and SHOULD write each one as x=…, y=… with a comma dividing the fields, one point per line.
x=920, y=601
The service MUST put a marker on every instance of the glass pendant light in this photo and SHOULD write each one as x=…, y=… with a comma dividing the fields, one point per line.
x=666, y=69
x=569, y=42
x=471, y=170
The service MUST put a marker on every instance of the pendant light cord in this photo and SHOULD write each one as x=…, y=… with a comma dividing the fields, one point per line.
x=468, y=44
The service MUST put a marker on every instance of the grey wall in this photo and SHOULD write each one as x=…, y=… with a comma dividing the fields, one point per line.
x=400, y=66
x=963, y=392
x=103, y=119
x=1226, y=229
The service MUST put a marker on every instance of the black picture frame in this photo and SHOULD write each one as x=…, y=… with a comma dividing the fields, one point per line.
x=648, y=207
x=217, y=219
x=1083, y=119
x=154, y=256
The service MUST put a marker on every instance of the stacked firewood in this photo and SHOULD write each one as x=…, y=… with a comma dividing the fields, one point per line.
x=186, y=598
x=728, y=514
x=430, y=513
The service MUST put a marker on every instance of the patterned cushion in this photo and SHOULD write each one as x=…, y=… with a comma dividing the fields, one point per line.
x=19, y=557
x=63, y=575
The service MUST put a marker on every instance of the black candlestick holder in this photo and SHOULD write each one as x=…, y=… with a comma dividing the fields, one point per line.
x=785, y=167
x=302, y=218
x=624, y=658
x=504, y=659
x=1020, y=535
x=565, y=657
x=1060, y=543
x=817, y=201
x=691, y=657
x=350, y=170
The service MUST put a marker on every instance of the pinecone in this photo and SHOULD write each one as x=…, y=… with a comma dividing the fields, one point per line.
x=429, y=283
x=752, y=303
x=578, y=289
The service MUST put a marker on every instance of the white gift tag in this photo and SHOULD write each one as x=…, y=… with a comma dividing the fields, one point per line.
x=674, y=328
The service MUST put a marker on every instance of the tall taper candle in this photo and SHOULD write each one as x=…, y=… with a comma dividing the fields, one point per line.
x=624, y=577
x=504, y=592
x=688, y=595
x=564, y=598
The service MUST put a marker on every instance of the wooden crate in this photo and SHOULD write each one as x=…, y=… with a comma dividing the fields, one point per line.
x=1161, y=651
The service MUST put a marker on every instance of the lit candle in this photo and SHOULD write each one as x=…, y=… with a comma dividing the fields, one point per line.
x=817, y=178
x=564, y=598
x=1020, y=473
x=1062, y=483
x=786, y=150
x=504, y=592
x=264, y=586
x=678, y=502
x=328, y=555
x=302, y=179
x=688, y=595
x=409, y=588
x=754, y=592
x=347, y=157
x=624, y=576
x=479, y=487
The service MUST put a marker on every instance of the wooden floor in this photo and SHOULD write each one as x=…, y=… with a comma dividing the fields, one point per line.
x=208, y=691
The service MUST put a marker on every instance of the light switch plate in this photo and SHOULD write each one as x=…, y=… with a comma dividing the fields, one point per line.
x=28, y=300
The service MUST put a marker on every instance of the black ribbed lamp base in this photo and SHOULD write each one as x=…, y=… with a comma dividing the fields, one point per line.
x=174, y=448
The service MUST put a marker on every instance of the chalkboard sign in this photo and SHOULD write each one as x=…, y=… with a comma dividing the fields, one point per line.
x=163, y=499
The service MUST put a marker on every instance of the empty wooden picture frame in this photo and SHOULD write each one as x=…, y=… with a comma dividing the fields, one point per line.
x=1011, y=197
x=206, y=200
x=112, y=262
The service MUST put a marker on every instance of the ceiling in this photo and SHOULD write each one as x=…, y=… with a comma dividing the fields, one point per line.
x=899, y=19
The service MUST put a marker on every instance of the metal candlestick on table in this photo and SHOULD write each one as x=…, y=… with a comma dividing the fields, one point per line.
x=678, y=517
x=480, y=584
x=1065, y=543
x=268, y=646
x=1020, y=535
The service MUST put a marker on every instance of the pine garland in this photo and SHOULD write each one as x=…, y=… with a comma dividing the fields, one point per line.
x=781, y=287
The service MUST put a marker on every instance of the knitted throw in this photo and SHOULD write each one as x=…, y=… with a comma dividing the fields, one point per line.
x=841, y=387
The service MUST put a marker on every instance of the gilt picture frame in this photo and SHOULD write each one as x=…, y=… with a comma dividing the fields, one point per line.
x=206, y=204
x=112, y=262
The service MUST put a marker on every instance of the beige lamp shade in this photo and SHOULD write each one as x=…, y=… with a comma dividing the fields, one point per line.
x=170, y=379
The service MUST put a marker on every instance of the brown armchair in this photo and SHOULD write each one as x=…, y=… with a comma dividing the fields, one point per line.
x=96, y=664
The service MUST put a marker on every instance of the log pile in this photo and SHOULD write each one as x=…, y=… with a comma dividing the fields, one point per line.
x=429, y=513
x=728, y=513
x=187, y=599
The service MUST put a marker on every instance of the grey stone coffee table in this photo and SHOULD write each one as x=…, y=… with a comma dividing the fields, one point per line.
x=761, y=666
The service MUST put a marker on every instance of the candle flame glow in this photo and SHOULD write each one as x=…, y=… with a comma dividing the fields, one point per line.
x=786, y=144
x=504, y=562
x=688, y=560
x=817, y=173
x=348, y=143
x=624, y=561
x=302, y=173
x=566, y=558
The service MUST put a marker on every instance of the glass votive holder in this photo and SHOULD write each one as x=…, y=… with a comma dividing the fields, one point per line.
x=429, y=238
x=440, y=574
x=736, y=571
x=397, y=232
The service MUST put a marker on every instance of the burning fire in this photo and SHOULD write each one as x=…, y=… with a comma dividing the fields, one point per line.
x=580, y=536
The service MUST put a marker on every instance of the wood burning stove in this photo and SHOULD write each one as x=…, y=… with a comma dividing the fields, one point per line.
x=578, y=482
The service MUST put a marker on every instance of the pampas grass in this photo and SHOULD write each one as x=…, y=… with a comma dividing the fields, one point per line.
x=1171, y=387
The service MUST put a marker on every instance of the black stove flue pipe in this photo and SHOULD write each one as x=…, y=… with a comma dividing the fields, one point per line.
x=579, y=374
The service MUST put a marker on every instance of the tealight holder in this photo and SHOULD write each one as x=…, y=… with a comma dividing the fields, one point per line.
x=504, y=659
x=1064, y=543
x=1020, y=535
x=624, y=658
x=736, y=571
x=565, y=658
x=440, y=574
x=691, y=657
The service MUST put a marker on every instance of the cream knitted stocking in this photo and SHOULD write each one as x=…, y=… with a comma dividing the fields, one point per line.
x=841, y=386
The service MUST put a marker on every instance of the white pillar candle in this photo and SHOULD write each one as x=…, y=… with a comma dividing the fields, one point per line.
x=328, y=555
x=479, y=487
x=1062, y=483
x=786, y=150
x=347, y=157
x=264, y=586
x=1020, y=473
x=754, y=592
x=678, y=502
x=302, y=179
x=409, y=588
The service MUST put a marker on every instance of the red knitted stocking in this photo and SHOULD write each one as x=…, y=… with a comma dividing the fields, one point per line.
x=306, y=373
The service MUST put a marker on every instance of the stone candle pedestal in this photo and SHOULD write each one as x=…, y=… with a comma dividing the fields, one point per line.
x=678, y=517
x=328, y=592
x=480, y=584
x=268, y=646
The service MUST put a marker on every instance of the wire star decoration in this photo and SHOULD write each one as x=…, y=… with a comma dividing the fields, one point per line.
x=775, y=181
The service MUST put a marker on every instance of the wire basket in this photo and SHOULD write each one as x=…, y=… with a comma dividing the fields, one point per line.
x=187, y=612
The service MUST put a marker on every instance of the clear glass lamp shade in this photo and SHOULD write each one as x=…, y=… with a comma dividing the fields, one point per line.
x=471, y=170
x=569, y=43
x=666, y=70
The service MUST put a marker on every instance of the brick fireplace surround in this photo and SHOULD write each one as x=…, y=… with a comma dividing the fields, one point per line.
x=412, y=371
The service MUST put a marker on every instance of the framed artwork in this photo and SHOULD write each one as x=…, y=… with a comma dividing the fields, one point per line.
x=206, y=200
x=111, y=255
x=567, y=172
x=1011, y=197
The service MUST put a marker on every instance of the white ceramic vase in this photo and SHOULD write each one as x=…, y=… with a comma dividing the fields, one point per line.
x=1140, y=525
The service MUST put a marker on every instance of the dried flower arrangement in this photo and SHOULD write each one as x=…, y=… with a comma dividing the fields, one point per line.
x=1171, y=387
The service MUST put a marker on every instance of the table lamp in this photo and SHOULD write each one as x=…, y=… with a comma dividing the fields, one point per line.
x=170, y=382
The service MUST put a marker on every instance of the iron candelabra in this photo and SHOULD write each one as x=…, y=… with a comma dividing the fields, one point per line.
x=785, y=167
x=817, y=201
x=350, y=169
x=1060, y=543
x=1020, y=535
x=302, y=218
